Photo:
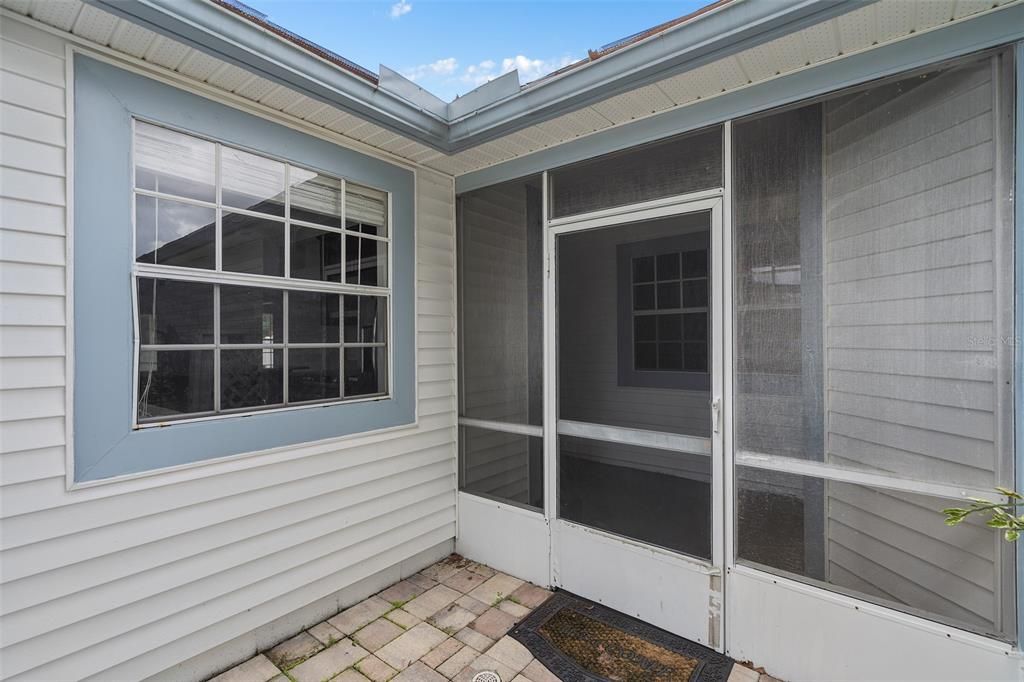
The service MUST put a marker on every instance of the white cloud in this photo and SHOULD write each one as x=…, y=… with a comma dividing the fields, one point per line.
x=442, y=67
x=400, y=8
x=529, y=69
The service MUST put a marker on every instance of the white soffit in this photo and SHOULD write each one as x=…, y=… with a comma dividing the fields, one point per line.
x=875, y=24
x=96, y=26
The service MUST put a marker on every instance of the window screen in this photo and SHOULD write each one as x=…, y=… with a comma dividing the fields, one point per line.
x=680, y=165
x=870, y=233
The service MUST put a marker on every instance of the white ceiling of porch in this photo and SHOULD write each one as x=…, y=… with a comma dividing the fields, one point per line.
x=882, y=22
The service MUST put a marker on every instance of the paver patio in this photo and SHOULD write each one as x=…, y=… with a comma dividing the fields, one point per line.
x=447, y=622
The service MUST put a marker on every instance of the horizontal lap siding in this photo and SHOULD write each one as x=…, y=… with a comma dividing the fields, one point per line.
x=910, y=291
x=123, y=583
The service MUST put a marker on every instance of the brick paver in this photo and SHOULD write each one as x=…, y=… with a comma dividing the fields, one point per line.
x=445, y=623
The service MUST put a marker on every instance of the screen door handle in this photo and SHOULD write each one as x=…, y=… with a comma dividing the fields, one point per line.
x=716, y=414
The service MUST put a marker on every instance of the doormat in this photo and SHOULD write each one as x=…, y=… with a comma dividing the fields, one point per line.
x=581, y=641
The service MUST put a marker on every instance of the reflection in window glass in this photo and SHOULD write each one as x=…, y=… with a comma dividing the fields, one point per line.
x=366, y=261
x=253, y=245
x=245, y=216
x=251, y=182
x=366, y=210
x=364, y=319
x=169, y=232
x=173, y=163
x=365, y=371
x=315, y=198
x=313, y=317
x=316, y=254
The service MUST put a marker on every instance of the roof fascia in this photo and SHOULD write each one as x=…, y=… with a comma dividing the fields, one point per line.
x=224, y=35
x=734, y=27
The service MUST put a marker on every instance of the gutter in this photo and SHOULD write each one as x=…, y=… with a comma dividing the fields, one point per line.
x=496, y=109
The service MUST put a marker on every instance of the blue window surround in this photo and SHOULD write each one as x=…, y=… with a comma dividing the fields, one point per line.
x=105, y=442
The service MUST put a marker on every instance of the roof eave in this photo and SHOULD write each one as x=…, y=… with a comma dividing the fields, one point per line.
x=729, y=29
x=714, y=34
x=225, y=35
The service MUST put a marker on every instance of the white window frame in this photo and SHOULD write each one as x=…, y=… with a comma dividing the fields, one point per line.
x=284, y=283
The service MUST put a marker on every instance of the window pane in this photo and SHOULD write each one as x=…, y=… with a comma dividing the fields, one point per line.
x=174, y=382
x=668, y=296
x=695, y=326
x=645, y=328
x=683, y=164
x=668, y=266
x=252, y=182
x=366, y=210
x=696, y=357
x=250, y=378
x=313, y=317
x=316, y=254
x=253, y=245
x=172, y=163
x=251, y=315
x=315, y=198
x=501, y=318
x=313, y=374
x=174, y=233
x=365, y=371
x=646, y=355
x=643, y=269
x=670, y=356
x=695, y=294
x=172, y=312
x=655, y=496
x=497, y=465
x=643, y=297
x=880, y=545
x=695, y=264
x=365, y=319
x=366, y=261
x=670, y=327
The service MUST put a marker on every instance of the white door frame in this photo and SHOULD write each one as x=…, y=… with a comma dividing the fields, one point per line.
x=599, y=564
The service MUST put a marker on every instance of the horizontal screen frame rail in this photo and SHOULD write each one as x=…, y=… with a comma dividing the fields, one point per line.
x=660, y=440
x=504, y=427
x=831, y=472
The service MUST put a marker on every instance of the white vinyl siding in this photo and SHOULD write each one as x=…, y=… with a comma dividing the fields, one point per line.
x=122, y=581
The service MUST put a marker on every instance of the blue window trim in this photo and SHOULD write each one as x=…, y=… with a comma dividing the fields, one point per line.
x=105, y=443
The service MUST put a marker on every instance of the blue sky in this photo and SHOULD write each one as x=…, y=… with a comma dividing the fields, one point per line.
x=451, y=46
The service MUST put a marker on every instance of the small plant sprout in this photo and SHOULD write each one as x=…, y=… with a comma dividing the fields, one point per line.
x=1002, y=515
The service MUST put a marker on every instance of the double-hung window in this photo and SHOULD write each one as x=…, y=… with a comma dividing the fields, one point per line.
x=260, y=284
x=663, y=312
